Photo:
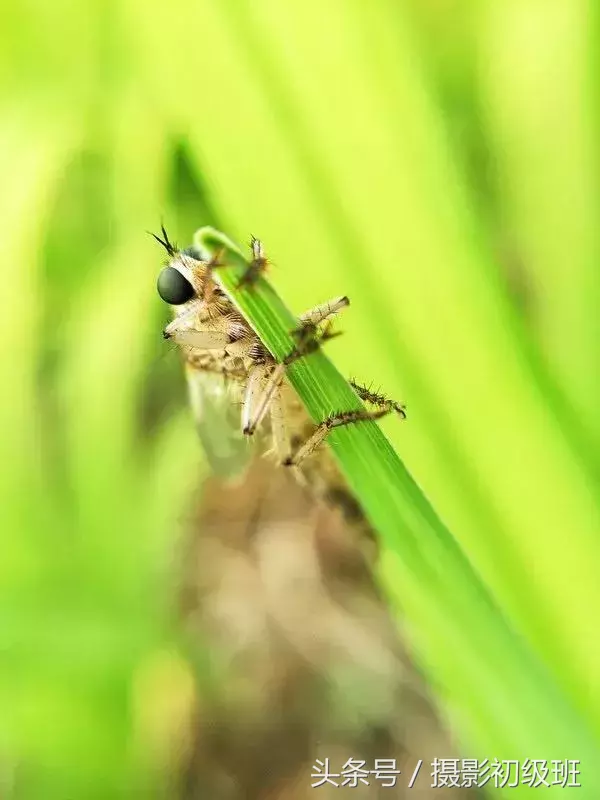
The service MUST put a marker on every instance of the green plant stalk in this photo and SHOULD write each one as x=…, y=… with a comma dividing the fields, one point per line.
x=505, y=696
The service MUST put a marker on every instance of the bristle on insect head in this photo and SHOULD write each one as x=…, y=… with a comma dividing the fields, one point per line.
x=165, y=242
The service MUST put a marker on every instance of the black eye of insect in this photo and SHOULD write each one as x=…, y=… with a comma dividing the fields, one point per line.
x=173, y=288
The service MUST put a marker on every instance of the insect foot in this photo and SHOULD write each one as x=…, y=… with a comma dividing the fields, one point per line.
x=367, y=394
x=337, y=420
x=257, y=266
x=308, y=337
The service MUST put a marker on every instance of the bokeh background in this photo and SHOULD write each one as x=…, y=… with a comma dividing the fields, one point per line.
x=437, y=161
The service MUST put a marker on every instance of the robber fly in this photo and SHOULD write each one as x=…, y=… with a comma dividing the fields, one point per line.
x=216, y=340
x=310, y=611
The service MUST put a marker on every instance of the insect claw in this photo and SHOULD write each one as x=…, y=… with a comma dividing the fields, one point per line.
x=215, y=262
x=328, y=335
x=256, y=267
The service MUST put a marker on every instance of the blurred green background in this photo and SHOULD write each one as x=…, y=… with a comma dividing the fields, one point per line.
x=437, y=162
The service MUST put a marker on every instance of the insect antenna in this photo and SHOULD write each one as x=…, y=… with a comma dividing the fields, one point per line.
x=169, y=246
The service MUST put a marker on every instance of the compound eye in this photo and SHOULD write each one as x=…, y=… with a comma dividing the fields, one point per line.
x=173, y=288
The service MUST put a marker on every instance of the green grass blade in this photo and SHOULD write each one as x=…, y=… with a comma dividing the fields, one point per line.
x=508, y=702
x=366, y=194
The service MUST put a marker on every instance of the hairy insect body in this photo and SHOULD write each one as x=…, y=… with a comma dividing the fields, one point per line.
x=216, y=340
x=284, y=585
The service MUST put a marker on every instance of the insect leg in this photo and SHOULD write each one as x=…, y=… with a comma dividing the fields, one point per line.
x=204, y=314
x=241, y=347
x=377, y=399
x=281, y=443
x=200, y=340
x=257, y=266
x=271, y=386
x=181, y=320
x=250, y=419
x=333, y=421
x=325, y=311
x=308, y=339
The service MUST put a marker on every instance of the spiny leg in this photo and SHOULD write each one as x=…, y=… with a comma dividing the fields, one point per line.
x=325, y=311
x=257, y=266
x=253, y=391
x=275, y=379
x=338, y=420
x=281, y=444
x=377, y=399
x=309, y=335
x=271, y=386
x=385, y=405
x=308, y=339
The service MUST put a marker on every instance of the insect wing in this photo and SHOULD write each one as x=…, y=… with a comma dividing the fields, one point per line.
x=218, y=422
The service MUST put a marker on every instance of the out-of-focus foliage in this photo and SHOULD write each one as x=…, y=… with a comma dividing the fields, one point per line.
x=435, y=161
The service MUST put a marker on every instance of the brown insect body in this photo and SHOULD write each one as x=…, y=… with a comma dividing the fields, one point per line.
x=289, y=595
x=215, y=338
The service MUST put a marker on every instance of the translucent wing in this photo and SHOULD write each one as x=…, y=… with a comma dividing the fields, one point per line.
x=217, y=416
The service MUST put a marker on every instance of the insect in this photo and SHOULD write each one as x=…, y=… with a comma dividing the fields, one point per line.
x=216, y=340
x=276, y=578
x=273, y=576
